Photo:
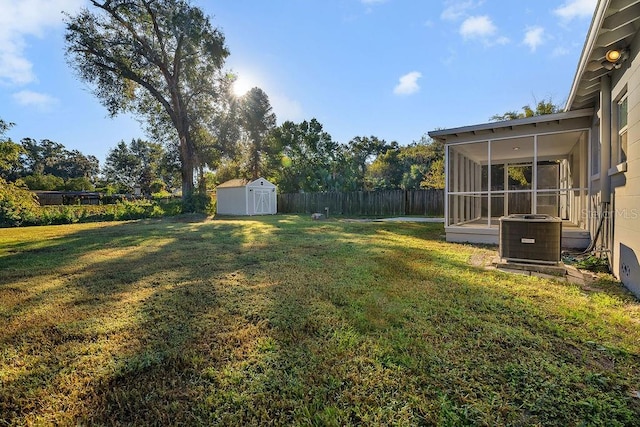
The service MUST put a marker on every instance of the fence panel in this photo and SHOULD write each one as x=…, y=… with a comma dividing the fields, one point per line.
x=365, y=203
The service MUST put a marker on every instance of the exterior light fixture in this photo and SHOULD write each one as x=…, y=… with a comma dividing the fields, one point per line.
x=614, y=58
x=516, y=148
x=613, y=55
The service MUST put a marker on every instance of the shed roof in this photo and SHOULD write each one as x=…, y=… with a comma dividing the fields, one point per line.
x=241, y=182
x=233, y=183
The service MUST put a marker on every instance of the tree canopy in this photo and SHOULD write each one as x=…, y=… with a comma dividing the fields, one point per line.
x=257, y=120
x=542, y=107
x=46, y=157
x=307, y=157
x=9, y=152
x=160, y=59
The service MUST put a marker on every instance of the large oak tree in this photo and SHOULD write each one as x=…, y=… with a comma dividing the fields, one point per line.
x=160, y=59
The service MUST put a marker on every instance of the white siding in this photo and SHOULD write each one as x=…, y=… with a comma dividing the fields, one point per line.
x=626, y=185
x=255, y=198
x=231, y=201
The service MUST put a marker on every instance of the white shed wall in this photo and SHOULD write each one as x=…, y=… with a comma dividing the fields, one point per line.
x=232, y=201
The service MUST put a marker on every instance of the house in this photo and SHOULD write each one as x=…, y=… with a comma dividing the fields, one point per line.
x=68, y=197
x=582, y=164
x=244, y=197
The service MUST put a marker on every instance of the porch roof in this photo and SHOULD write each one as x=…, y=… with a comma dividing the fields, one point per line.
x=480, y=130
x=614, y=25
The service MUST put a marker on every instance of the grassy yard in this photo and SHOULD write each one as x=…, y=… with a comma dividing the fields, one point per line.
x=287, y=321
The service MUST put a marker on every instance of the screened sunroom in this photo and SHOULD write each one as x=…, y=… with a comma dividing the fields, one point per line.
x=537, y=165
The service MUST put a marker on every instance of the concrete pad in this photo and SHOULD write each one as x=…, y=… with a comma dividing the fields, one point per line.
x=552, y=270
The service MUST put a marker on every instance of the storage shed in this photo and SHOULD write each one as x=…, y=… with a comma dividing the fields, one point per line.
x=244, y=197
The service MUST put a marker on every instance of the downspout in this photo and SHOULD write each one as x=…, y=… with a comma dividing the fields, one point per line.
x=605, y=138
x=605, y=159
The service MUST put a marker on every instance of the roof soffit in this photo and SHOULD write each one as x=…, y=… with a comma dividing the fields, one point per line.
x=614, y=25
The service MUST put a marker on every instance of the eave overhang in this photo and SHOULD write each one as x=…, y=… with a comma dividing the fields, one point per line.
x=496, y=127
x=614, y=25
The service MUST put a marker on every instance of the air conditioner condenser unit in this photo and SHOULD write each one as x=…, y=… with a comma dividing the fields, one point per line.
x=531, y=238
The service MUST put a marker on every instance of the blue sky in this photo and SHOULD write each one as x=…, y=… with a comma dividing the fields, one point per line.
x=395, y=69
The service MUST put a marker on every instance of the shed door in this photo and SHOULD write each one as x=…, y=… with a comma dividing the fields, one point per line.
x=261, y=202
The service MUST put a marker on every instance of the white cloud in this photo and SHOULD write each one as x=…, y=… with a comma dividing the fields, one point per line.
x=29, y=98
x=455, y=9
x=534, y=37
x=19, y=20
x=477, y=26
x=576, y=9
x=14, y=67
x=408, y=84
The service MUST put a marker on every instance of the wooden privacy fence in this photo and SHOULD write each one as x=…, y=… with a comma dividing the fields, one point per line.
x=366, y=203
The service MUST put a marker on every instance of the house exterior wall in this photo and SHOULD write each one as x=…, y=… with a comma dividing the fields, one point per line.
x=232, y=201
x=611, y=177
x=624, y=228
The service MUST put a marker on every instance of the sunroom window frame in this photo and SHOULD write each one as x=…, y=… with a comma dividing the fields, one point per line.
x=561, y=191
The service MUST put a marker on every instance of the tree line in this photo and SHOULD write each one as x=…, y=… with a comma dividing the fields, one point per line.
x=295, y=156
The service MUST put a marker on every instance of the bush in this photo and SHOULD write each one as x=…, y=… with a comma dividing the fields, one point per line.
x=157, y=186
x=159, y=195
x=198, y=202
x=171, y=207
x=594, y=263
x=79, y=184
x=122, y=211
x=17, y=205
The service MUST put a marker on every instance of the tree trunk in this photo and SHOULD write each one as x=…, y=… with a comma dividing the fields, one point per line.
x=186, y=160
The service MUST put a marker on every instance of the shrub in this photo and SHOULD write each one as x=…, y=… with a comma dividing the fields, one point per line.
x=79, y=184
x=171, y=207
x=120, y=211
x=198, y=202
x=157, y=186
x=17, y=204
x=159, y=195
x=594, y=263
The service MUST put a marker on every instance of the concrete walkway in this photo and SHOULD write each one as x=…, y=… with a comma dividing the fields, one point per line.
x=411, y=219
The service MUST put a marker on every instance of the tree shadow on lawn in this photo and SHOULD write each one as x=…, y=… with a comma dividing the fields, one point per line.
x=110, y=332
x=286, y=321
x=444, y=342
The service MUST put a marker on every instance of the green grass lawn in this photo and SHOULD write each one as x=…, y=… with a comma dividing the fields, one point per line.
x=287, y=321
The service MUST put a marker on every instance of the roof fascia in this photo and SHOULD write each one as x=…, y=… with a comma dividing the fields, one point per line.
x=492, y=126
x=587, y=49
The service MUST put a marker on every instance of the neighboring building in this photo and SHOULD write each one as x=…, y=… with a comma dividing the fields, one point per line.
x=68, y=197
x=582, y=165
x=243, y=197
